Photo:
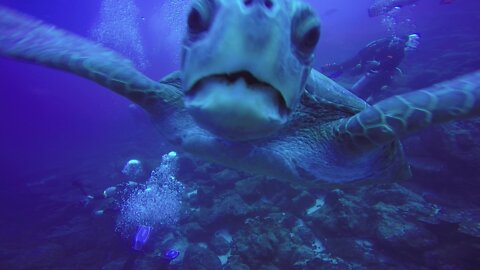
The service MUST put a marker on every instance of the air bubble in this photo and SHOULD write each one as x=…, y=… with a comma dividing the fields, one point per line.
x=118, y=28
x=157, y=204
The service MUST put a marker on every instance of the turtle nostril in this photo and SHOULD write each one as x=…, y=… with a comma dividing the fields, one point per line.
x=247, y=2
x=269, y=4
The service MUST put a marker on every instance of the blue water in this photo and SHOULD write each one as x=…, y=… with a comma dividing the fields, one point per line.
x=58, y=129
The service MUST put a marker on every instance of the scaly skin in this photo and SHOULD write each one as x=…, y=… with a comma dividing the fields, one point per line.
x=331, y=135
x=28, y=39
x=401, y=115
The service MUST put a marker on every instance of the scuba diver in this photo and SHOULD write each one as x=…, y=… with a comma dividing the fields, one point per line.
x=139, y=241
x=112, y=196
x=383, y=7
x=378, y=61
x=141, y=205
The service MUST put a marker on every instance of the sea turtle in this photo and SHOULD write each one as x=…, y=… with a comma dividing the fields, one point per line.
x=247, y=97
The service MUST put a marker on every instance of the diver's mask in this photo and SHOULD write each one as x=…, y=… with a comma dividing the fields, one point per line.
x=412, y=42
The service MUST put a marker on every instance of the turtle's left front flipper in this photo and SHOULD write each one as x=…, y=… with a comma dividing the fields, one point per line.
x=26, y=38
x=401, y=115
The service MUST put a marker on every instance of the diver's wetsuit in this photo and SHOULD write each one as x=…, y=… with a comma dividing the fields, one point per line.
x=112, y=196
x=379, y=60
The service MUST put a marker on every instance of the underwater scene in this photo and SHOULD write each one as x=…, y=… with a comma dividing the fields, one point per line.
x=240, y=134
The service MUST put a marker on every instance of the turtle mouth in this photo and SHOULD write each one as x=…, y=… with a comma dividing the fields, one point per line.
x=251, y=81
x=236, y=105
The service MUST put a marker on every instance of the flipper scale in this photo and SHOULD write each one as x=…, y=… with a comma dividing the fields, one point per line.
x=402, y=115
x=31, y=40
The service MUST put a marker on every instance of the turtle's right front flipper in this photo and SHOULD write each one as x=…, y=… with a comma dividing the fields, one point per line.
x=399, y=116
x=26, y=38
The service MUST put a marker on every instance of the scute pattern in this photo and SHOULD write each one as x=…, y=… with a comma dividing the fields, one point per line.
x=400, y=115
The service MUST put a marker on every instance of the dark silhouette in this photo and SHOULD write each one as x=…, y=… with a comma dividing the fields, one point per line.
x=378, y=61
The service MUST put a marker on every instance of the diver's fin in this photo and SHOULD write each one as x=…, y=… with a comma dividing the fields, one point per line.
x=401, y=115
x=26, y=38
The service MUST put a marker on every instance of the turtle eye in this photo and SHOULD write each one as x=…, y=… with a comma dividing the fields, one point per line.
x=201, y=16
x=305, y=32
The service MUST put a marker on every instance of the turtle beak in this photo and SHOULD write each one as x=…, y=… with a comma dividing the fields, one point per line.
x=237, y=106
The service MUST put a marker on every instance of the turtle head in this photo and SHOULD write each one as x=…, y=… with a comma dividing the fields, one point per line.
x=245, y=64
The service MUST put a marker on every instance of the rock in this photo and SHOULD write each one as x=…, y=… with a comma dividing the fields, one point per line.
x=285, y=219
x=205, y=195
x=295, y=254
x=231, y=205
x=268, y=267
x=250, y=189
x=227, y=208
x=305, y=233
x=352, y=249
x=302, y=201
x=393, y=194
x=193, y=231
x=279, y=193
x=331, y=264
x=342, y=215
x=471, y=228
x=198, y=257
x=263, y=239
x=454, y=256
x=234, y=263
x=226, y=178
x=219, y=245
x=261, y=189
x=395, y=231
